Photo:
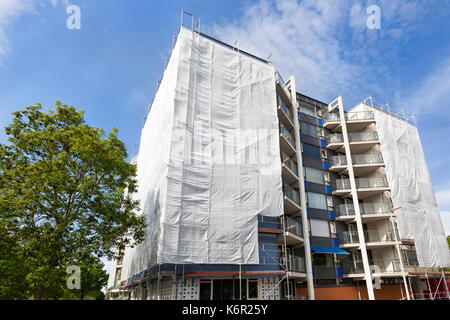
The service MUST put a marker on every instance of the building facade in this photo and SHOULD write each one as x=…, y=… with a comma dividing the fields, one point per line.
x=337, y=233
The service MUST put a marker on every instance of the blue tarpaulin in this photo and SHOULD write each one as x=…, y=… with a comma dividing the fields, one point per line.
x=329, y=250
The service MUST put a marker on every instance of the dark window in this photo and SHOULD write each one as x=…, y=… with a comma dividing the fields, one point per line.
x=228, y=289
x=252, y=289
x=205, y=290
x=309, y=129
x=310, y=151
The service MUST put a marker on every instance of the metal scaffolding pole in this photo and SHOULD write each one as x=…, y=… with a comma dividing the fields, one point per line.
x=397, y=246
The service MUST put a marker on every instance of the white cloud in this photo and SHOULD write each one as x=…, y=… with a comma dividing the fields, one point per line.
x=10, y=10
x=326, y=44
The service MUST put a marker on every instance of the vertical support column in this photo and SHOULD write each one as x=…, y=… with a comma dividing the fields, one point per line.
x=308, y=260
x=359, y=226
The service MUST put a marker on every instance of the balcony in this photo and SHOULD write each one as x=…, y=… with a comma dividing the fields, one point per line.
x=373, y=238
x=281, y=88
x=291, y=200
x=355, y=121
x=358, y=141
x=291, y=229
x=362, y=163
x=324, y=272
x=332, y=120
x=369, y=211
x=285, y=114
x=366, y=187
x=294, y=265
x=289, y=171
x=293, y=232
x=381, y=266
x=287, y=141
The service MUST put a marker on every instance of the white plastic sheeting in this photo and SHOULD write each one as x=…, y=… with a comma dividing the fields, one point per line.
x=410, y=184
x=209, y=159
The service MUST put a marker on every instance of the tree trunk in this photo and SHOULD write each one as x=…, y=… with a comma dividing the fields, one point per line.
x=39, y=294
x=82, y=294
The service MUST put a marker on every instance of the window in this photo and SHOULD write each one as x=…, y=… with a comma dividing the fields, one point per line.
x=307, y=109
x=326, y=177
x=333, y=227
x=321, y=132
x=322, y=260
x=309, y=129
x=320, y=228
x=319, y=111
x=329, y=201
x=252, y=288
x=317, y=201
x=312, y=152
x=314, y=175
x=205, y=289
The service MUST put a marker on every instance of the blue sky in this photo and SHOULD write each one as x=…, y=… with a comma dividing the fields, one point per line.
x=110, y=66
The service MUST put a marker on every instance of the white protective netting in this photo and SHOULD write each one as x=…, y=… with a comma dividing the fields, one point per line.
x=209, y=159
x=411, y=189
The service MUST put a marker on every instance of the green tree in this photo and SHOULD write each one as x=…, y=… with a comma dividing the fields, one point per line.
x=448, y=241
x=64, y=189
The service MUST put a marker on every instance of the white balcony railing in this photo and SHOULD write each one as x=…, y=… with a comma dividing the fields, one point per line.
x=287, y=135
x=365, y=208
x=362, y=183
x=352, y=237
x=356, y=159
x=352, y=137
x=381, y=265
x=291, y=193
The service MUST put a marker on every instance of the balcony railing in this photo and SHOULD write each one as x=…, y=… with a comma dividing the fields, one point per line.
x=356, y=159
x=337, y=161
x=367, y=158
x=291, y=165
x=290, y=224
x=362, y=136
x=293, y=226
x=364, y=208
x=279, y=78
x=291, y=193
x=335, y=138
x=324, y=272
x=349, y=237
x=332, y=117
x=362, y=183
x=293, y=263
x=287, y=110
x=352, y=137
x=383, y=265
x=361, y=115
x=287, y=135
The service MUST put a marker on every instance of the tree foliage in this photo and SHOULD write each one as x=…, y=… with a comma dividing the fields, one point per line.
x=64, y=192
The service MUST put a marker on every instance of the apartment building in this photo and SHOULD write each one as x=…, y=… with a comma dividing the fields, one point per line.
x=311, y=217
